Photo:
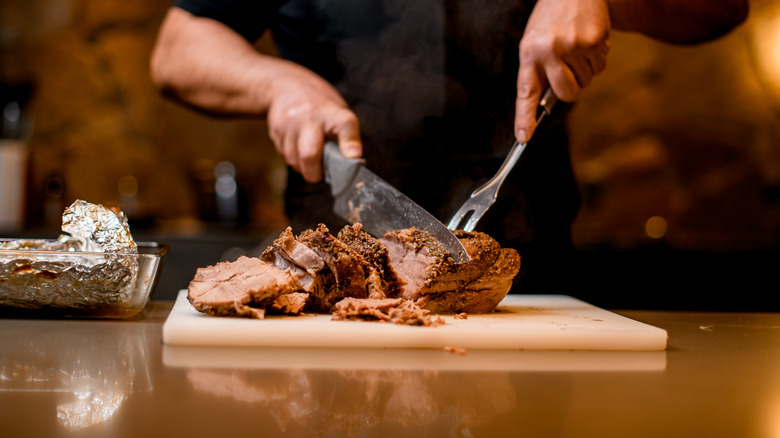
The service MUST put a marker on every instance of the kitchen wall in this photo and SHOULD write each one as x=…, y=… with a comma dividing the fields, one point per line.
x=102, y=133
x=672, y=145
x=682, y=144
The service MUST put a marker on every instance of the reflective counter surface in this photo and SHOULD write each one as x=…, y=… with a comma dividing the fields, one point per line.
x=720, y=377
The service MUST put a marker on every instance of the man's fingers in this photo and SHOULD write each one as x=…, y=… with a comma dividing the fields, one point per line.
x=597, y=57
x=529, y=91
x=310, y=141
x=344, y=125
x=580, y=74
x=287, y=146
x=562, y=80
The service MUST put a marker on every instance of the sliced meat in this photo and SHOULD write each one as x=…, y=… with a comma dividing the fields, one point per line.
x=500, y=275
x=418, y=258
x=382, y=280
x=302, y=262
x=393, y=310
x=427, y=268
x=244, y=287
x=359, y=276
x=345, y=274
x=300, y=254
x=437, y=284
x=292, y=303
x=483, y=294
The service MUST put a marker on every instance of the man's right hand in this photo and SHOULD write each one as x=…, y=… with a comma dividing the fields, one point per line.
x=306, y=110
x=564, y=46
x=204, y=63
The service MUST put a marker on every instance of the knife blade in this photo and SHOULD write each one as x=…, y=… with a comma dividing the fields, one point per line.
x=362, y=196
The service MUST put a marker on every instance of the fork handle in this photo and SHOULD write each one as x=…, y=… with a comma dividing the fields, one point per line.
x=546, y=105
x=495, y=182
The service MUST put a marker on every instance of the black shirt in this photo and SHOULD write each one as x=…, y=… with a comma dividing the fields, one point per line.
x=433, y=83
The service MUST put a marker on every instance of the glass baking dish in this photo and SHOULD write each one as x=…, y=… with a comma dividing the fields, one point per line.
x=62, y=283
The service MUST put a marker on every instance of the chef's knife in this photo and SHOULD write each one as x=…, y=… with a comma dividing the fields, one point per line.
x=362, y=196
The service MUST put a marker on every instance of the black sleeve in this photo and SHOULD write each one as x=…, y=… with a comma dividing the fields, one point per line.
x=249, y=18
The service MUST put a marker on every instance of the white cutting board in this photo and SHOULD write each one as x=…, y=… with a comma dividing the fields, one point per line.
x=521, y=322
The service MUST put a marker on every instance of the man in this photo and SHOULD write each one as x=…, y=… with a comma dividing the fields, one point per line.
x=431, y=93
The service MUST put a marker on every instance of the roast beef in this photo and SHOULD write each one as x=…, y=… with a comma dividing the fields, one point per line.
x=244, y=287
x=317, y=272
x=394, y=310
x=436, y=283
x=292, y=303
x=383, y=281
x=344, y=274
x=302, y=262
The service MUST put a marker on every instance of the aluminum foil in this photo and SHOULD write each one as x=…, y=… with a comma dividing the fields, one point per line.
x=93, y=268
x=103, y=230
x=63, y=243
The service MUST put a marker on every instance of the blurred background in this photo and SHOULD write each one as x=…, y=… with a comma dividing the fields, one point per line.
x=676, y=149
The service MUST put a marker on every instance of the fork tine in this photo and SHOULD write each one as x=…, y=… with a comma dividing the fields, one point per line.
x=465, y=211
x=457, y=218
x=471, y=212
x=478, y=210
x=472, y=223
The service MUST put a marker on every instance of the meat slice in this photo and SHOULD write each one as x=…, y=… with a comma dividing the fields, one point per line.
x=302, y=262
x=244, y=287
x=393, y=310
x=483, y=294
x=345, y=273
x=292, y=303
x=418, y=258
x=426, y=267
x=288, y=247
x=382, y=280
x=438, y=284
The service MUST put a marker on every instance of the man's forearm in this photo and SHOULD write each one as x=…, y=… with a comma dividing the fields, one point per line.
x=678, y=21
x=206, y=65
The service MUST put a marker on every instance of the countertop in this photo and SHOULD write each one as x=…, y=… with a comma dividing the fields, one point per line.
x=719, y=377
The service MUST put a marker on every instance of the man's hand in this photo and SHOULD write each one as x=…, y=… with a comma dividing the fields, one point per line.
x=304, y=111
x=566, y=42
x=202, y=62
x=564, y=46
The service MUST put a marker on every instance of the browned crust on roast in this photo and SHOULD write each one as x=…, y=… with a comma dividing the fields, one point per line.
x=377, y=257
x=480, y=296
x=420, y=261
x=348, y=277
x=500, y=274
x=484, y=293
x=473, y=287
x=442, y=274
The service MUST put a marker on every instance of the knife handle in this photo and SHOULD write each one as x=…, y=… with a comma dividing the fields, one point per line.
x=339, y=170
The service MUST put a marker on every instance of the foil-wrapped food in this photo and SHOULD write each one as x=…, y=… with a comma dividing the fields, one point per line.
x=95, y=270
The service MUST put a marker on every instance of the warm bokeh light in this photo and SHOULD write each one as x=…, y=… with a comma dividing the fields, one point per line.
x=766, y=39
x=655, y=227
x=128, y=186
